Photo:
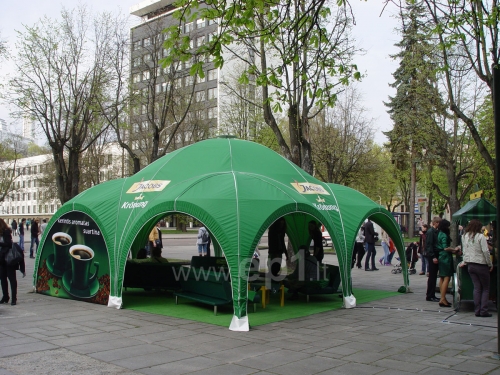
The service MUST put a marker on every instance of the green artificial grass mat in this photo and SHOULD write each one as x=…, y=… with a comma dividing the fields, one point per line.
x=163, y=303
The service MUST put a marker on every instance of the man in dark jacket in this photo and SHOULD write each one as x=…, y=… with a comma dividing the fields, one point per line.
x=35, y=232
x=21, y=233
x=431, y=253
x=370, y=244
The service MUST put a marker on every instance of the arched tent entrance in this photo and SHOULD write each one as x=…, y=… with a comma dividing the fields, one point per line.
x=237, y=189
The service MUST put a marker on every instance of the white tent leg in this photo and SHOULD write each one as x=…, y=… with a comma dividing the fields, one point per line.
x=238, y=324
x=349, y=302
x=115, y=302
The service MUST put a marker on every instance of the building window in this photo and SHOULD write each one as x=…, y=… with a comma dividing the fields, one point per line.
x=146, y=42
x=211, y=22
x=40, y=208
x=34, y=183
x=200, y=114
x=136, y=78
x=188, y=27
x=200, y=41
x=24, y=184
x=212, y=36
x=199, y=96
x=212, y=74
x=136, y=62
x=45, y=209
x=200, y=23
x=147, y=58
x=34, y=209
x=24, y=196
x=212, y=112
x=137, y=45
x=22, y=209
x=145, y=75
x=212, y=93
x=40, y=195
x=29, y=196
x=189, y=81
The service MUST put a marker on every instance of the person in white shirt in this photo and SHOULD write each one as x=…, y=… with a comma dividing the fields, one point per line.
x=476, y=256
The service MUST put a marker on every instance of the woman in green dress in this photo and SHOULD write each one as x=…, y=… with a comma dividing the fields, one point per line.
x=445, y=260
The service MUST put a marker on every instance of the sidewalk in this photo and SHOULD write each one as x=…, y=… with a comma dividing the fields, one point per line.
x=398, y=335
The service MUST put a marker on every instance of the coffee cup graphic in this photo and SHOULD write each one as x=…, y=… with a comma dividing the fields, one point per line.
x=62, y=241
x=82, y=257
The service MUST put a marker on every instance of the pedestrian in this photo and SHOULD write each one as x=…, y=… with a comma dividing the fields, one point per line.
x=14, y=227
x=43, y=226
x=155, y=240
x=276, y=244
x=421, y=247
x=35, y=232
x=8, y=273
x=431, y=252
x=370, y=244
x=384, y=261
x=202, y=241
x=21, y=233
x=317, y=240
x=359, y=249
x=445, y=260
x=477, y=257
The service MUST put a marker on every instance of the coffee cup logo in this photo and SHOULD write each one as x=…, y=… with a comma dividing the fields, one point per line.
x=61, y=242
x=82, y=257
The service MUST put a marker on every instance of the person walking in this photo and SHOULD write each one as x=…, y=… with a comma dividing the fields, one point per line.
x=202, y=240
x=8, y=273
x=431, y=252
x=477, y=258
x=154, y=239
x=21, y=233
x=370, y=244
x=35, y=232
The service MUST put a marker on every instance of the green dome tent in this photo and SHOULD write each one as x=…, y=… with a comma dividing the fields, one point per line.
x=236, y=188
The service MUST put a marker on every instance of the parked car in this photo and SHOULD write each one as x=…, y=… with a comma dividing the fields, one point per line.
x=327, y=240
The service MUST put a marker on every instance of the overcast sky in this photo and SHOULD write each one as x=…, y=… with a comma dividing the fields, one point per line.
x=374, y=32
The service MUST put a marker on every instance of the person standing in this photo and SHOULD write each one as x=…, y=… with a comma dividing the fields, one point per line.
x=8, y=273
x=445, y=259
x=421, y=247
x=478, y=260
x=431, y=252
x=317, y=239
x=43, y=226
x=359, y=249
x=35, y=232
x=276, y=243
x=154, y=239
x=202, y=241
x=384, y=261
x=370, y=244
x=21, y=233
x=14, y=227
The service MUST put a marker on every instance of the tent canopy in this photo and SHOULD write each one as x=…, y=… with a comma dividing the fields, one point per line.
x=237, y=189
x=480, y=209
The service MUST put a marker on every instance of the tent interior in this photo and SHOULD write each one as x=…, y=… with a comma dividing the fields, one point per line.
x=237, y=193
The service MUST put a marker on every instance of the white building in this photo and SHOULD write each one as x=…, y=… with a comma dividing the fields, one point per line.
x=31, y=196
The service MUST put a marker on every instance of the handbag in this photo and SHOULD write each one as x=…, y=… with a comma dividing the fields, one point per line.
x=14, y=256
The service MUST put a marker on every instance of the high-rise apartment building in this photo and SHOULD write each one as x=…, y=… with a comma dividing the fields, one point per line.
x=170, y=98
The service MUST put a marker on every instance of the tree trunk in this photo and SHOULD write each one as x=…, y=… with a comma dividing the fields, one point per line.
x=411, y=208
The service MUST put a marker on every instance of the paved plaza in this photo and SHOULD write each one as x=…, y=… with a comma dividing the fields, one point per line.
x=398, y=335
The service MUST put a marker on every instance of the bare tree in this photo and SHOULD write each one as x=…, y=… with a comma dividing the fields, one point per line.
x=341, y=140
x=63, y=66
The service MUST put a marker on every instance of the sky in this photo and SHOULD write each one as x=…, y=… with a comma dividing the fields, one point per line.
x=374, y=32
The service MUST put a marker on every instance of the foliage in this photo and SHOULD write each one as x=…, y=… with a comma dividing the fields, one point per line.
x=63, y=67
x=299, y=53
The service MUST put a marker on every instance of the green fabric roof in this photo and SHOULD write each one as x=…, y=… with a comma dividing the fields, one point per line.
x=237, y=189
x=480, y=209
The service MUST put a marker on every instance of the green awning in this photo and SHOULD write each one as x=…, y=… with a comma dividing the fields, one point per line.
x=480, y=209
